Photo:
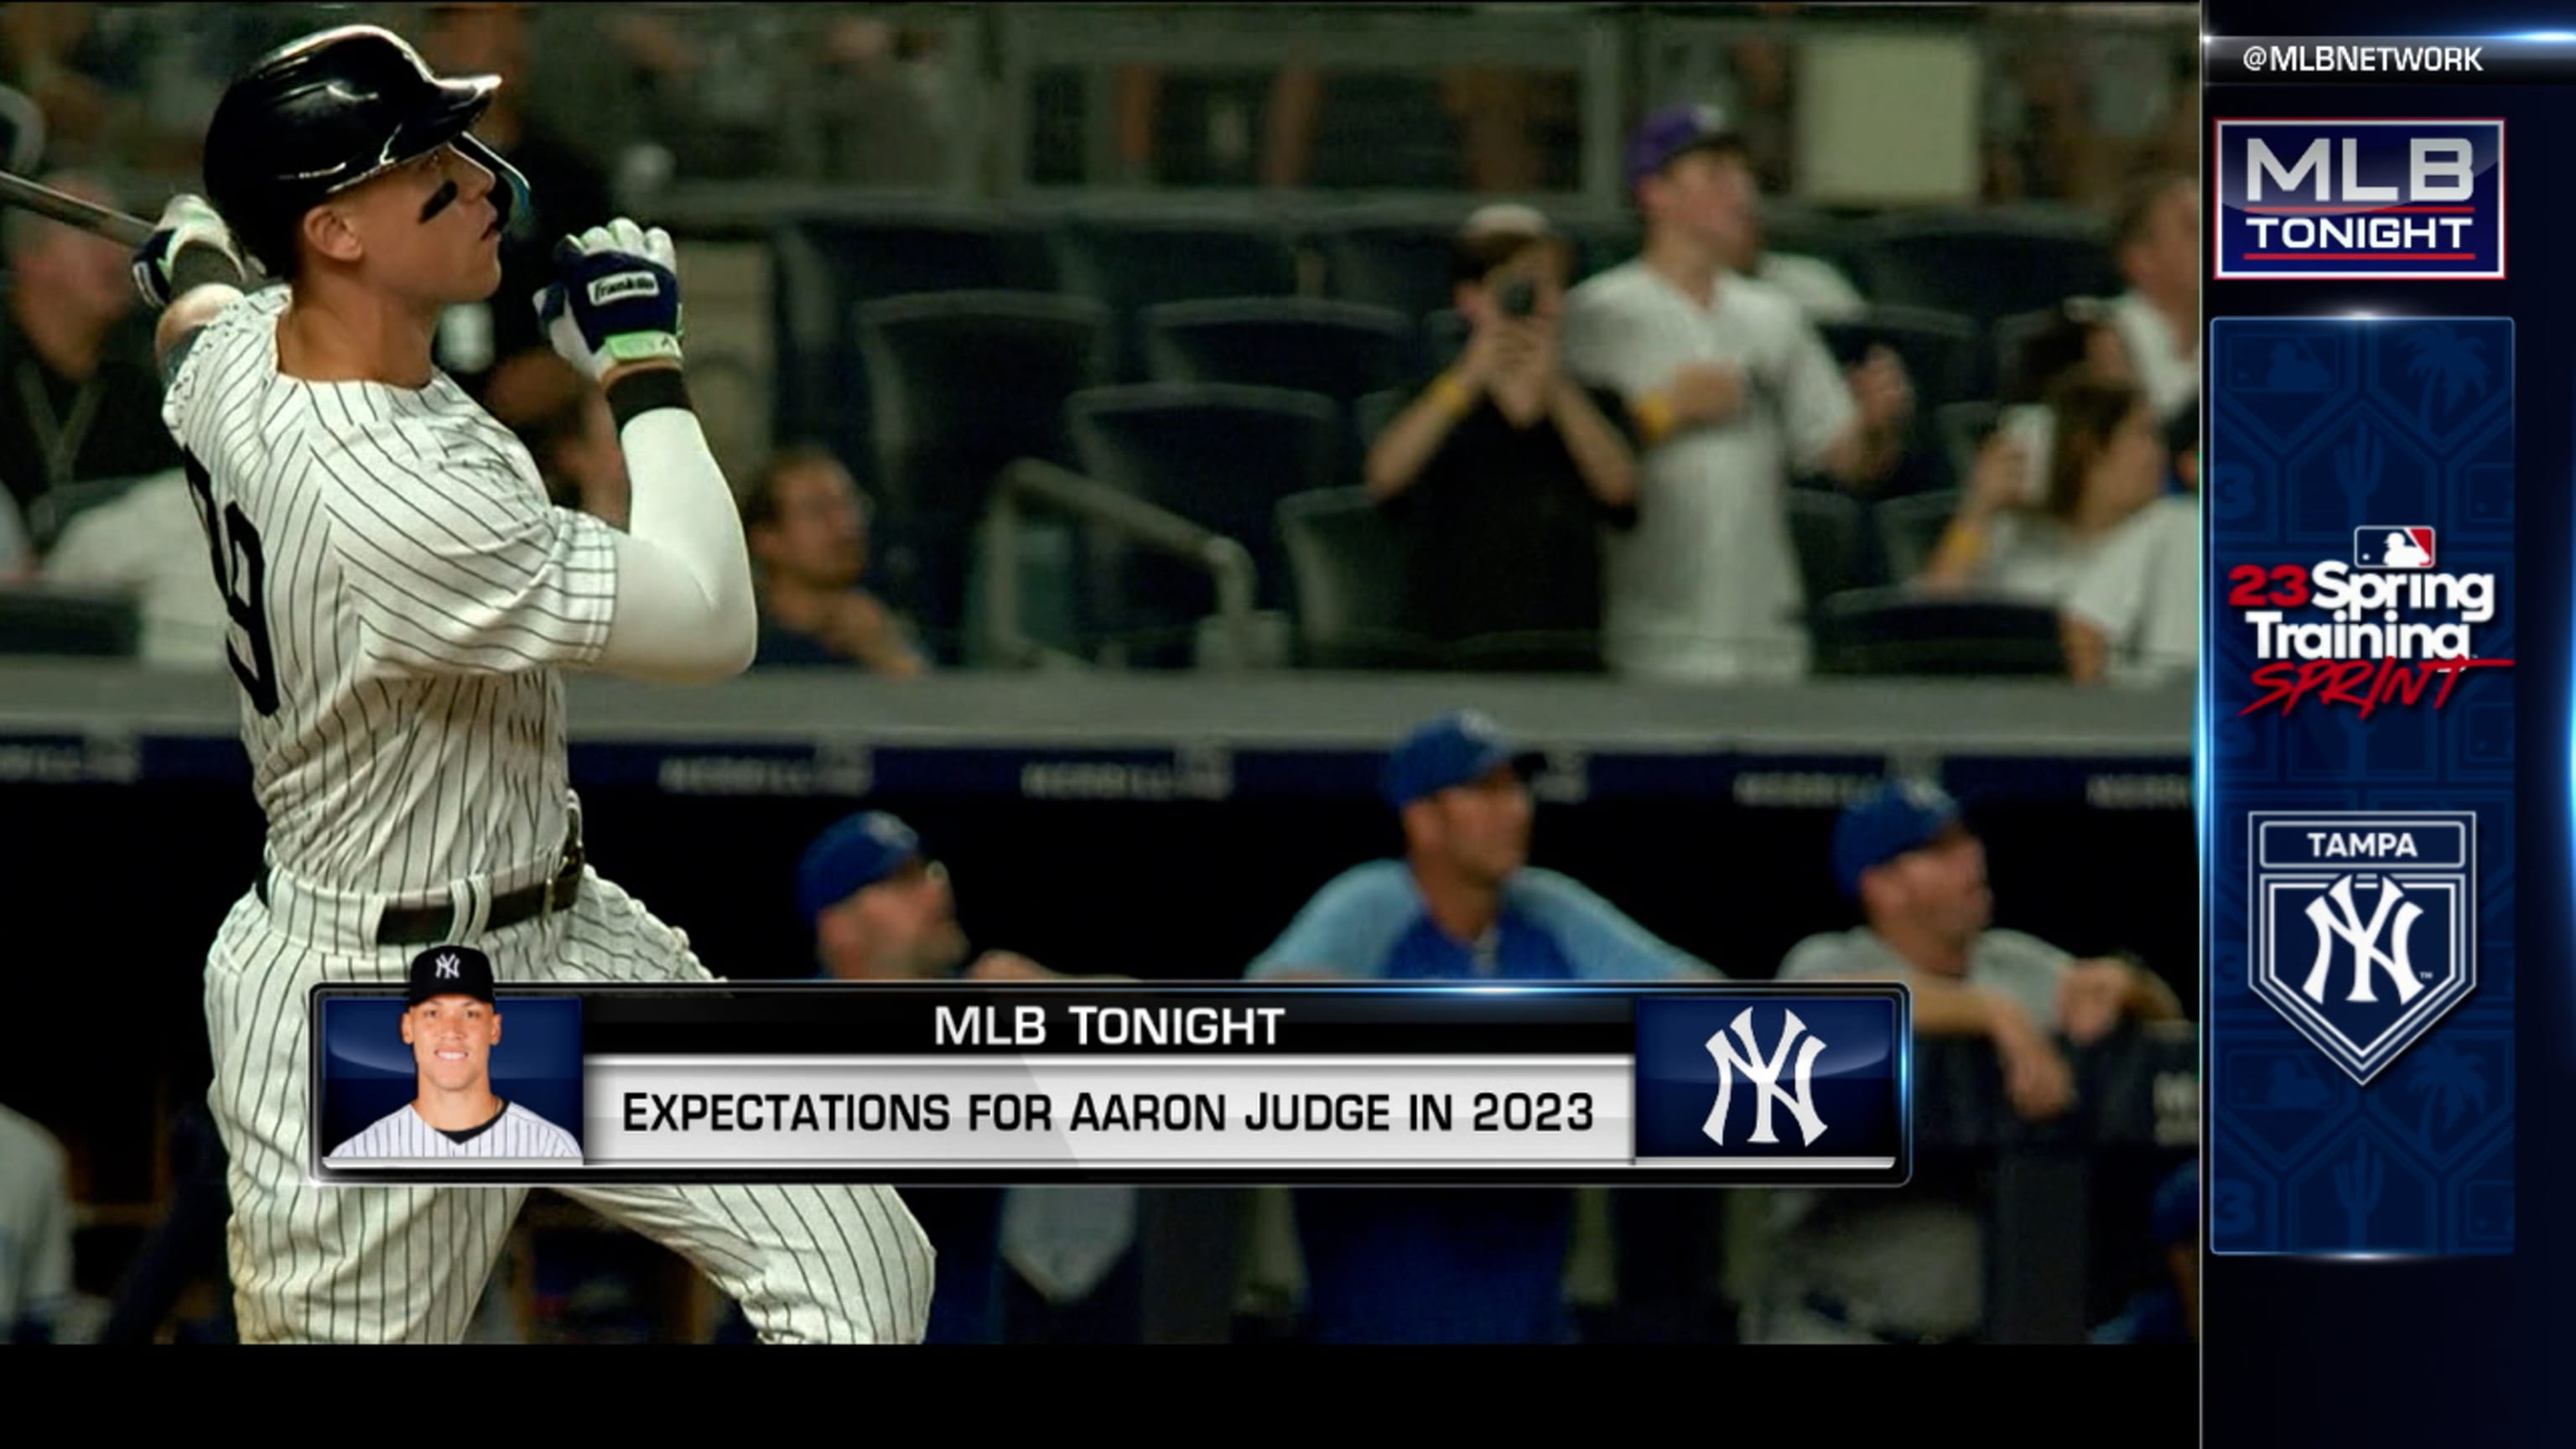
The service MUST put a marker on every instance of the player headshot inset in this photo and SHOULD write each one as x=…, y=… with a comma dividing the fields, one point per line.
x=452, y=1023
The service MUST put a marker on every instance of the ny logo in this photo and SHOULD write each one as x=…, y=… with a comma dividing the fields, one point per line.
x=447, y=968
x=2364, y=941
x=1765, y=1077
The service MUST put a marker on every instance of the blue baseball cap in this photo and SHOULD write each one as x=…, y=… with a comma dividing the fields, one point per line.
x=1674, y=131
x=850, y=857
x=1456, y=749
x=2177, y=1212
x=1885, y=823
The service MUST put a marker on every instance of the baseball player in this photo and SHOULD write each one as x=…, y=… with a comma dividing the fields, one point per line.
x=404, y=602
x=451, y=1023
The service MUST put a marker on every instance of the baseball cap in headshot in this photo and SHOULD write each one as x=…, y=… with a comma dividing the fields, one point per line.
x=1674, y=132
x=1455, y=749
x=1885, y=823
x=449, y=971
x=850, y=857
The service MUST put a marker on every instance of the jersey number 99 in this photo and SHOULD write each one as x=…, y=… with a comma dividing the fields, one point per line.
x=228, y=538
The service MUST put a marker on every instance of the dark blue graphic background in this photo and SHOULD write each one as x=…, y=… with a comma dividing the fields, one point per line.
x=2317, y=428
x=1857, y=1082
x=367, y=1071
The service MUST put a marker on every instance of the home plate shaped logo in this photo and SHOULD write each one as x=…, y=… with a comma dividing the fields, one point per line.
x=2364, y=926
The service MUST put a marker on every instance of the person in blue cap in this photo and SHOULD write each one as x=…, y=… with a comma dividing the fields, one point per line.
x=1876, y=1267
x=1733, y=393
x=2168, y=1312
x=1463, y=904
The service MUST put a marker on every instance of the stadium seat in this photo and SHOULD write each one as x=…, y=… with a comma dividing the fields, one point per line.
x=1910, y=528
x=1827, y=530
x=1220, y=456
x=961, y=385
x=1372, y=414
x=1346, y=575
x=37, y=620
x=1341, y=350
x=1131, y=265
x=1895, y=631
x=1984, y=265
x=1444, y=336
x=1400, y=265
x=823, y=268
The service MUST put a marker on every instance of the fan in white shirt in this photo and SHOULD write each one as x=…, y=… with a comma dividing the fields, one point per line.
x=2156, y=240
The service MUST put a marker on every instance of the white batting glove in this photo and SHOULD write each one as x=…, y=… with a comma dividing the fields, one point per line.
x=189, y=247
x=615, y=298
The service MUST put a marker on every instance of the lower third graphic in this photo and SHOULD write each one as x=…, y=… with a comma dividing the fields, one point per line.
x=2364, y=926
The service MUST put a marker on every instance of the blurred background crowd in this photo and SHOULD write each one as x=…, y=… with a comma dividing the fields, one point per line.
x=1699, y=347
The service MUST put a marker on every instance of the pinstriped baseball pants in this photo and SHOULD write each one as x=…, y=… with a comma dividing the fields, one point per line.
x=319, y=1264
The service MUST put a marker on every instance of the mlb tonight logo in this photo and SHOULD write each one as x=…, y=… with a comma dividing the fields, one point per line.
x=1809, y=1087
x=2408, y=546
x=2380, y=200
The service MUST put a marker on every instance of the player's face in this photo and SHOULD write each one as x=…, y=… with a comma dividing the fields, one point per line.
x=1710, y=197
x=451, y=1039
x=1484, y=826
x=428, y=230
x=820, y=537
x=902, y=927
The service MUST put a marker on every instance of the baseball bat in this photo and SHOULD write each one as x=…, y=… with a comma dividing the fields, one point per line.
x=115, y=225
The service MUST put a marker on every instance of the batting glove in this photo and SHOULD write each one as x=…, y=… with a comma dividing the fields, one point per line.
x=616, y=298
x=189, y=248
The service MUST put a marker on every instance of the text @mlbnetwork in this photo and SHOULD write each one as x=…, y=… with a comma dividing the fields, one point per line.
x=2338, y=59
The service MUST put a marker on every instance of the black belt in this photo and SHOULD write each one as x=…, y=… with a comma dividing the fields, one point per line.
x=437, y=925
x=1826, y=1306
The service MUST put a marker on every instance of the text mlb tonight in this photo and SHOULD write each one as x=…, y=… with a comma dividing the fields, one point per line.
x=1094, y=1025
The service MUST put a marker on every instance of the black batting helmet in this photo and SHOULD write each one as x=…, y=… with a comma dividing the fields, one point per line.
x=319, y=115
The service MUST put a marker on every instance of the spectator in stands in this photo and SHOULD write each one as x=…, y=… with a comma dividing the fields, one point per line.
x=1731, y=390
x=2156, y=241
x=187, y=1247
x=807, y=525
x=2106, y=462
x=569, y=190
x=81, y=399
x=2170, y=1311
x=147, y=542
x=564, y=421
x=2133, y=615
x=1503, y=471
x=35, y=1230
x=1463, y=904
x=1819, y=287
x=1863, y=1267
x=81, y=80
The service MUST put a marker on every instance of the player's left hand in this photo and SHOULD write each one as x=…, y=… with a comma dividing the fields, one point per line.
x=187, y=222
x=2091, y=998
x=1008, y=966
x=615, y=298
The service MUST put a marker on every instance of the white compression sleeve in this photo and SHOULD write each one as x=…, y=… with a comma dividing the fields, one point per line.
x=685, y=611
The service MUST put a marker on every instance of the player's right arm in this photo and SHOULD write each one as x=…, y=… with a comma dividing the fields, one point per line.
x=684, y=610
x=190, y=270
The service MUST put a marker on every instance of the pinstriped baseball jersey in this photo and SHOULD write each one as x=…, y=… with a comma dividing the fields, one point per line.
x=515, y=1133
x=399, y=586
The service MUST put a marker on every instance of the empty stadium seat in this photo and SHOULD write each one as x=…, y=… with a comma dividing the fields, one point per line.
x=1984, y=265
x=1131, y=265
x=1909, y=529
x=1341, y=350
x=1895, y=631
x=1346, y=576
x=1444, y=336
x=961, y=385
x=824, y=268
x=1220, y=456
x=1400, y=265
x=1827, y=529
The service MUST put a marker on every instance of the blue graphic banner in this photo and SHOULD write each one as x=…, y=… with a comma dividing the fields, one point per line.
x=2359, y=695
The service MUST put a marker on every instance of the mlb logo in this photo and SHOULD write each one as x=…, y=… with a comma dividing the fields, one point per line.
x=1808, y=1086
x=2364, y=930
x=2417, y=199
x=2408, y=546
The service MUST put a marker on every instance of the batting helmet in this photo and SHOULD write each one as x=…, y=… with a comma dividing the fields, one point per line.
x=319, y=115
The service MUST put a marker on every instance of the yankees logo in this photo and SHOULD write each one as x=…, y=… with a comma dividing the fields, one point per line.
x=447, y=968
x=2364, y=941
x=1764, y=1074
x=2412, y=951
